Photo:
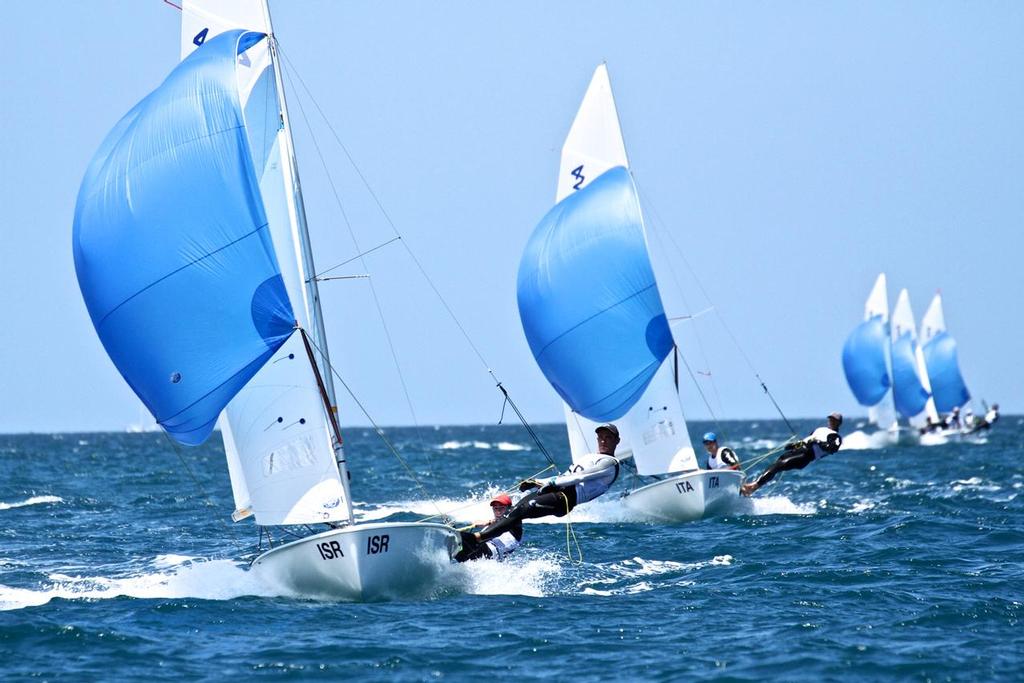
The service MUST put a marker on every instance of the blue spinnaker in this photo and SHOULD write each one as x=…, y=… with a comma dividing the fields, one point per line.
x=171, y=246
x=908, y=393
x=864, y=361
x=948, y=386
x=589, y=302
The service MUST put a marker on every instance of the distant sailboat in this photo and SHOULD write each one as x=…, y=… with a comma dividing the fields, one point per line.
x=194, y=261
x=866, y=360
x=593, y=317
x=940, y=358
x=911, y=388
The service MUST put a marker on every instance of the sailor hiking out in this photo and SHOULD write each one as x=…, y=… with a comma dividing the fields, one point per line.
x=499, y=547
x=587, y=479
x=822, y=442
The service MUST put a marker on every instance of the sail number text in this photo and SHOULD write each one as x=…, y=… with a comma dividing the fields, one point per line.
x=330, y=550
x=377, y=544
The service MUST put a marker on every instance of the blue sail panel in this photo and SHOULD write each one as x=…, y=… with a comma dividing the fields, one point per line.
x=171, y=247
x=948, y=386
x=908, y=393
x=864, y=361
x=588, y=300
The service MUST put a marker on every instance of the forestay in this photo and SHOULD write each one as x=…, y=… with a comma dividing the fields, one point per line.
x=172, y=248
x=940, y=357
x=589, y=301
x=281, y=455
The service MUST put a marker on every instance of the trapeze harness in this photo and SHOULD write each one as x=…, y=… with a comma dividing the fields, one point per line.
x=587, y=479
x=822, y=443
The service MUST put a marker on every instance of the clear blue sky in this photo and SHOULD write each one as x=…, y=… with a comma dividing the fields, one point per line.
x=792, y=150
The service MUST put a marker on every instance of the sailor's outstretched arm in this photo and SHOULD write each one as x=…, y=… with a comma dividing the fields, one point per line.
x=598, y=468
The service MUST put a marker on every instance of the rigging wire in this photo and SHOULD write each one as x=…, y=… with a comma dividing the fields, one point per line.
x=362, y=259
x=718, y=314
x=405, y=245
x=202, y=490
x=379, y=430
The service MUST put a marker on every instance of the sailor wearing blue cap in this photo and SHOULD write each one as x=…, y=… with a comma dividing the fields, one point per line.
x=719, y=458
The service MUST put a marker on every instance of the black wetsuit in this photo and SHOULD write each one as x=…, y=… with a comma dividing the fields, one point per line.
x=798, y=456
x=473, y=549
x=557, y=502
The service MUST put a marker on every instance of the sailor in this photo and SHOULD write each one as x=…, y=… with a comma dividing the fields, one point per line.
x=499, y=547
x=953, y=419
x=719, y=458
x=822, y=442
x=991, y=415
x=587, y=479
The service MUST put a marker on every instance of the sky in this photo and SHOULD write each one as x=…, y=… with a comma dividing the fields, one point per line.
x=786, y=153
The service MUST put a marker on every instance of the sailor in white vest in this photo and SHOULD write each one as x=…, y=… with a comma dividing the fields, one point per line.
x=584, y=481
x=822, y=442
x=719, y=458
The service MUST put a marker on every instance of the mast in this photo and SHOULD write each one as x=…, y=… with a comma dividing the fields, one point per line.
x=319, y=332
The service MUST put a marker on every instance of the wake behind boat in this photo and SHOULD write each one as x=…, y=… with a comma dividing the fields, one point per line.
x=194, y=260
x=594, y=319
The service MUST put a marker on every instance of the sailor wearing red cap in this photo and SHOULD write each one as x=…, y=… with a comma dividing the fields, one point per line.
x=587, y=479
x=499, y=547
x=822, y=442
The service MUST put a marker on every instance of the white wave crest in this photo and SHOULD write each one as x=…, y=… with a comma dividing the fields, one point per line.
x=175, y=576
x=862, y=441
x=34, y=500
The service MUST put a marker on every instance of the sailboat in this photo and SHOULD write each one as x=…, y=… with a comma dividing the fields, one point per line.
x=194, y=261
x=942, y=366
x=911, y=387
x=593, y=317
x=866, y=363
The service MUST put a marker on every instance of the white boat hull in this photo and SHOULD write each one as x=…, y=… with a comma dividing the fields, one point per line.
x=687, y=497
x=362, y=562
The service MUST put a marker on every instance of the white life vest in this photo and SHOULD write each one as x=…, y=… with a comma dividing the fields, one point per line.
x=821, y=436
x=718, y=460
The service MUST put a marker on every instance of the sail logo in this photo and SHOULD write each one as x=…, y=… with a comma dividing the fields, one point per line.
x=200, y=37
x=578, y=174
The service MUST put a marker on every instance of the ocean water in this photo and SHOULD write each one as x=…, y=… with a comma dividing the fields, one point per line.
x=118, y=561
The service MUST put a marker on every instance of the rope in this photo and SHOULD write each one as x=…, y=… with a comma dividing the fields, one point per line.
x=362, y=259
x=397, y=236
x=512, y=489
x=570, y=533
x=379, y=431
x=202, y=491
x=750, y=463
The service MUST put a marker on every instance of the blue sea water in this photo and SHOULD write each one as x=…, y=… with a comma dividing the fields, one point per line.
x=118, y=562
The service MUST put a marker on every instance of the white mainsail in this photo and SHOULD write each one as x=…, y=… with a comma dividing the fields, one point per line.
x=281, y=454
x=654, y=429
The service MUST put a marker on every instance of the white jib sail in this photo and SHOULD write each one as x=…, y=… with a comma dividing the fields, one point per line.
x=883, y=413
x=654, y=429
x=276, y=434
